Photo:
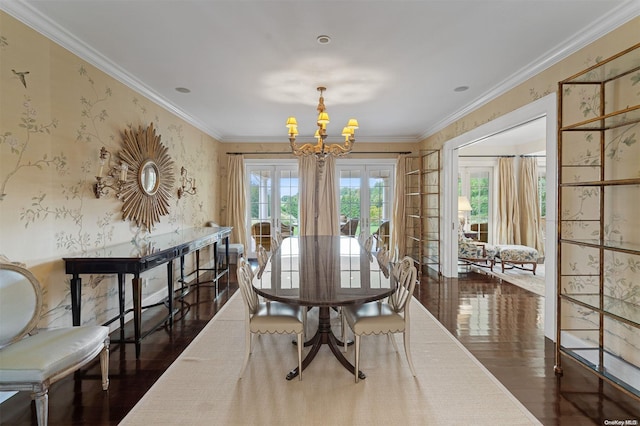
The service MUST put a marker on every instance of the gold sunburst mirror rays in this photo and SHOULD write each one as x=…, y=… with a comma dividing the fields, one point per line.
x=150, y=177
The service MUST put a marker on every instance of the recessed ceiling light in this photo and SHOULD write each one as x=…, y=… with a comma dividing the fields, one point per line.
x=461, y=88
x=324, y=39
x=182, y=90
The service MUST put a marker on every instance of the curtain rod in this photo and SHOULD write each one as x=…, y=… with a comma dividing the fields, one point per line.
x=502, y=156
x=289, y=152
x=487, y=156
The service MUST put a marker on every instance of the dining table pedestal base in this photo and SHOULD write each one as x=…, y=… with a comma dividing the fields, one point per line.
x=325, y=336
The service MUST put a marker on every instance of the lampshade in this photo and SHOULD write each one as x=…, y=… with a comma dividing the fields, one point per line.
x=291, y=122
x=353, y=123
x=347, y=132
x=323, y=118
x=463, y=204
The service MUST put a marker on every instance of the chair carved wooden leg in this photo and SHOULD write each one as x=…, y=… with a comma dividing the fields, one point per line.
x=393, y=341
x=357, y=366
x=300, y=345
x=407, y=351
x=247, y=352
x=41, y=399
x=104, y=365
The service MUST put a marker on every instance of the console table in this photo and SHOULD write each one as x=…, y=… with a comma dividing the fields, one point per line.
x=135, y=257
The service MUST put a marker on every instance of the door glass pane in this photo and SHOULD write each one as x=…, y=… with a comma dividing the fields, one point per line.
x=380, y=204
x=350, y=197
x=479, y=218
x=260, y=190
x=479, y=199
x=289, y=198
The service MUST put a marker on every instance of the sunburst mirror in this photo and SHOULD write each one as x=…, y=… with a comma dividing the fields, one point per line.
x=150, y=177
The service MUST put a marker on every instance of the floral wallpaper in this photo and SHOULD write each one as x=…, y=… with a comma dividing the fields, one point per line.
x=56, y=112
x=581, y=206
x=583, y=161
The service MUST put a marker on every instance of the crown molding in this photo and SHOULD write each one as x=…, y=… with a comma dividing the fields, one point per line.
x=31, y=17
x=284, y=139
x=40, y=23
x=607, y=23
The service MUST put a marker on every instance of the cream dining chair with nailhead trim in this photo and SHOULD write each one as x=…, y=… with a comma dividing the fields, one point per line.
x=272, y=317
x=387, y=317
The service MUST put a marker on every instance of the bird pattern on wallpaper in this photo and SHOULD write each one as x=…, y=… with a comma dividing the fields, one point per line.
x=22, y=75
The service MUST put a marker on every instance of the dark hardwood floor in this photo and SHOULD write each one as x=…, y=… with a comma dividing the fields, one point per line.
x=501, y=324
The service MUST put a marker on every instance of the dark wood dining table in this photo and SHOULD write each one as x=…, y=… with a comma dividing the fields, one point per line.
x=324, y=272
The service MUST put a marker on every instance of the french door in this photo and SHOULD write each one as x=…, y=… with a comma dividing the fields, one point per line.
x=366, y=197
x=272, y=202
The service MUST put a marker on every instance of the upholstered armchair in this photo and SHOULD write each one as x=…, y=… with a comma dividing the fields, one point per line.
x=349, y=228
x=475, y=253
x=261, y=232
x=32, y=359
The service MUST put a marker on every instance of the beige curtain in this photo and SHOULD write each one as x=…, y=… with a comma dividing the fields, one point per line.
x=508, y=212
x=236, y=200
x=529, y=204
x=318, y=208
x=398, y=235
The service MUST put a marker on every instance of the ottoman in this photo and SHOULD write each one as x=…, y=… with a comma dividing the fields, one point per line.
x=517, y=256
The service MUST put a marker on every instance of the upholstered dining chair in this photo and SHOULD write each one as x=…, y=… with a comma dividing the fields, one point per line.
x=276, y=239
x=387, y=317
x=263, y=257
x=263, y=318
x=32, y=359
x=349, y=228
x=261, y=233
x=384, y=259
x=382, y=235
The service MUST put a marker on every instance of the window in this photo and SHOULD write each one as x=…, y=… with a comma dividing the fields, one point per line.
x=542, y=192
x=476, y=184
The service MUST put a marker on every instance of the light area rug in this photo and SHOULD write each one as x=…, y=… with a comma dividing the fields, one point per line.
x=524, y=279
x=202, y=387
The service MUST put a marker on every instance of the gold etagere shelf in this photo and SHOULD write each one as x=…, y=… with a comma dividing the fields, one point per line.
x=430, y=187
x=598, y=310
x=413, y=212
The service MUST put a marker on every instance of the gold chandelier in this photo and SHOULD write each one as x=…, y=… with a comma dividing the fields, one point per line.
x=321, y=149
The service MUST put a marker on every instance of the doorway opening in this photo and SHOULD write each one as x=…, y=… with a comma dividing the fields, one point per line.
x=545, y=108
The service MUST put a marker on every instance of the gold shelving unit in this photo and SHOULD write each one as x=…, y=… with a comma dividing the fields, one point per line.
x=598, y=274
x=431, y=238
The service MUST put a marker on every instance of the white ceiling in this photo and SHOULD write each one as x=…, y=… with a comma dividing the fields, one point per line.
x=391, y=64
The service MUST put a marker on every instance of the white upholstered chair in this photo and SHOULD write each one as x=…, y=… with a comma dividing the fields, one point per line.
x=273, y=317
x=387, y=317
x=366, y=241
x=32, y=359
x=276, y=239
x=263, y=257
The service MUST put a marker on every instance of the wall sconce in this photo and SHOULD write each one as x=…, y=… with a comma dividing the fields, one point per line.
x=188, y=184
x=115, y=177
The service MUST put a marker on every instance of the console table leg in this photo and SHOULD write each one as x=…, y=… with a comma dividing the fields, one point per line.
x=76, y=292
x=170, y=291
x=137, y=311
x=121, y=303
